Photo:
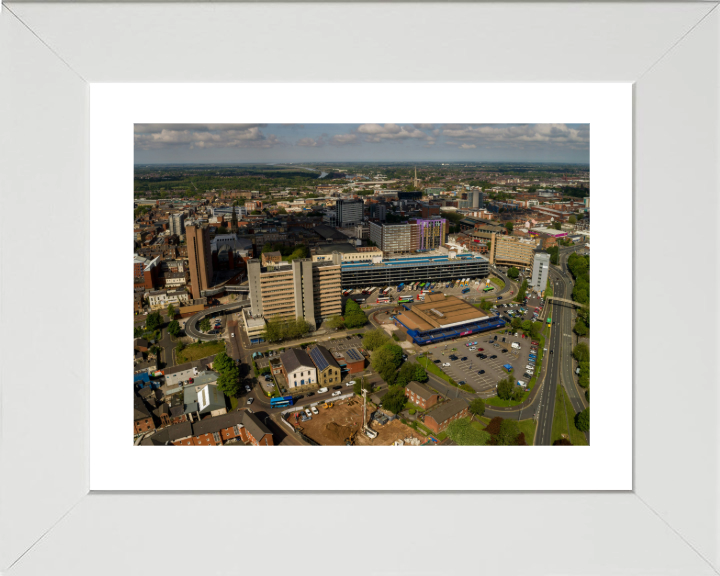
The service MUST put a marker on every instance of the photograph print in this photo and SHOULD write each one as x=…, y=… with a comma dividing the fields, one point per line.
x=361, y=285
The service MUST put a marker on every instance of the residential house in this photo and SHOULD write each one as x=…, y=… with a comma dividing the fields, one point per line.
x=441, y=417
x=143, y=418
x=216, y=431
x=421, y=395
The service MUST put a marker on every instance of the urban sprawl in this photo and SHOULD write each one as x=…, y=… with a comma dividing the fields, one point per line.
x=361, y=305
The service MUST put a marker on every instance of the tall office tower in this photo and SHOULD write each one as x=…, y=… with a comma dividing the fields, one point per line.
x=199, y=258
x=177, y=223
x=349, y=212
x=299, y=289
x=476, y=199
x=541, y=269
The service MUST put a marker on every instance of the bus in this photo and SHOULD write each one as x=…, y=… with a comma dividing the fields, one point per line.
x=487, y=288
x=549, y=321
x=371, y=290
x=383, y=300
x=281, y=401
x=400, y=286
x=386, y=291
x=405, y=300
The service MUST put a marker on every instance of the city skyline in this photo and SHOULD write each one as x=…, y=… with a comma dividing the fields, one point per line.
x=293, y=143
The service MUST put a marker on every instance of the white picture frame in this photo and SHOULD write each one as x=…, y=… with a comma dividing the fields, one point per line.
x=50, y=53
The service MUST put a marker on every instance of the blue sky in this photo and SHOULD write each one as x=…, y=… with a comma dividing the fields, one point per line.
x=269, y=143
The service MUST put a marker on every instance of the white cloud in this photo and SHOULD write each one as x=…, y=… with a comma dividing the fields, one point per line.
x=343, y=139
x=521, y=134
x=307, y=142
x=468, y=146
x=154, y=136
x=381, y=133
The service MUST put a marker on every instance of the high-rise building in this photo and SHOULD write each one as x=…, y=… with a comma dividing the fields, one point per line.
x=476, y=199
x=541, y=269
x=177, y=223
x=199, y=259
x=346, y=213
x=299, y=289
x=512, y=251
x=412, y=236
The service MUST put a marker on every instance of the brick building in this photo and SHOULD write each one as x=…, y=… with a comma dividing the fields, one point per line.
x=354, y=360
x=440, y=418
x=328, y=370
x=243, y=425
x=421, y=396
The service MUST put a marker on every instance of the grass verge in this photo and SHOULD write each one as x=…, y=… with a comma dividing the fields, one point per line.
x=498, y=282
x=528, y=427
x=199, y=350
x=564, y=419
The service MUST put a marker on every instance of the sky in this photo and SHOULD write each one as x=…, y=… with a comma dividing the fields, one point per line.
x=297, y=143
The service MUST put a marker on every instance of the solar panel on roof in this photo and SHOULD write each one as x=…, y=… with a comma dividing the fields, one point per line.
x=353, y=355
x=319, y=359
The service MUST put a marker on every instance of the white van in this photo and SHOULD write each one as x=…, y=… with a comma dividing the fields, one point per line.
x=322, y=390
x=515, y=345
x=530, y=368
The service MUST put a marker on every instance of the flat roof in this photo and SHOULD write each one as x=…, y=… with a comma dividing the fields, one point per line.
x=440, y=311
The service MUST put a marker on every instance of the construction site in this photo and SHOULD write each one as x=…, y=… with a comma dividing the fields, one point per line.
x=341, y=424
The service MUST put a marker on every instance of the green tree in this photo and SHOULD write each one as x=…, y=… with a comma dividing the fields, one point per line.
x=229, y=382
x=360, y=384
x=354, y=316
x=205, y=325
x=535, y=329
x=513, y=272
x=385, y=361
x=373, y=339
x=464, y=433
x=171, y=312
x=409, y=372
x=477, y=407
x=587, y=395
x=174, y=328
x=138, y=331
x=509, y=227
x=506, y=388
x=223, y=362
x=335, y=322
x=394, y=400
x=516, y=323
x=580, y=328
x=154, y=321
x=526, y=325
x=581, y=352
x=572, y=220
x=155, y=351
x=557, y=225
x=582, y=420
x=509, y=432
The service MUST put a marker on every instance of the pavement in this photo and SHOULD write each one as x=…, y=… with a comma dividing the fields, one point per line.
x=192, y=322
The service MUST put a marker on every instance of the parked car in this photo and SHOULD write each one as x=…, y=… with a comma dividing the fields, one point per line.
x=310, y=394
x=462, y=382
x=351, y=383
x=250, y=401
x=314, y=410
x=493, y=357
x=481, y=349
x=308, y=413
x=336, y=393
x=481, y=371
x=436, y=361
x=247, y=388
x=299, y=397
x=446, y=364
x=504, y=350
x=463, y=358
x=322, y=390
x=337, y=387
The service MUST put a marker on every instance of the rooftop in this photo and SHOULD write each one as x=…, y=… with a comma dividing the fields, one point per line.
x=439, y=311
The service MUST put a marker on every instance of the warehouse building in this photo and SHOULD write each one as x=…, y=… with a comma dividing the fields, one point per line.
x=442, y=318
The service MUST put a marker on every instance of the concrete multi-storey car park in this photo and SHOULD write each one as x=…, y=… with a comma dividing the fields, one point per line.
x=427, y=268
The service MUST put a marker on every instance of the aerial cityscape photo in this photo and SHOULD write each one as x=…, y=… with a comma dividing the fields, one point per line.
x=361, y=285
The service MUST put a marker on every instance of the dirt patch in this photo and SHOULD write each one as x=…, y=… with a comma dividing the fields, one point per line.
x=333, y=426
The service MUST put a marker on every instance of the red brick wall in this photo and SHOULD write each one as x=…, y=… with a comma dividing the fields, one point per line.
x=355, y=367
x=438, y=427
x=144, y=425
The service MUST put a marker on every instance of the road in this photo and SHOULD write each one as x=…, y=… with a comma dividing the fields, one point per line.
x=192, y=322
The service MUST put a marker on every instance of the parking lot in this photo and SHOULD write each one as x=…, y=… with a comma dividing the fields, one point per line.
x=468, y=370
x=475, y=292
